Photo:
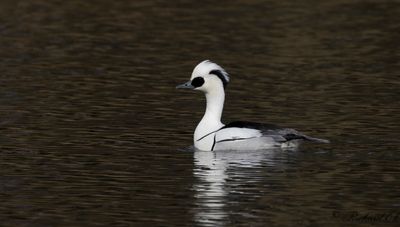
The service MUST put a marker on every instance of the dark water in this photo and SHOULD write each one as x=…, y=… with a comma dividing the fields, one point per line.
x=93, y=131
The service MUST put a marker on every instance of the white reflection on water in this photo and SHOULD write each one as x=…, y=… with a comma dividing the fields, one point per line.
x=211, y=168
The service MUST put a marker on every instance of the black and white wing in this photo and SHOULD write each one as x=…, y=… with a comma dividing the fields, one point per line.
x=242, y=130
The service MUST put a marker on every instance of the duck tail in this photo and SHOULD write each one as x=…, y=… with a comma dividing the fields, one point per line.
x=313, y=139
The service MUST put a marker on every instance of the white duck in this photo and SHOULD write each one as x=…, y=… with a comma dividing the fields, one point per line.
x=211, y=134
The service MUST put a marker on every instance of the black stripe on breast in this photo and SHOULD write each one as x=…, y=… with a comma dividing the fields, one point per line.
x=212, y=148
x=208, y=134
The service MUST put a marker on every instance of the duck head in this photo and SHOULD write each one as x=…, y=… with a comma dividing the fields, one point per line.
x=206, y=77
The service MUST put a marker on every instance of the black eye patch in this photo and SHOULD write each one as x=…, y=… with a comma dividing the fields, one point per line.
x=198, y=82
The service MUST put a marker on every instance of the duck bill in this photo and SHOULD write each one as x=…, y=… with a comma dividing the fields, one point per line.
x=187, y=85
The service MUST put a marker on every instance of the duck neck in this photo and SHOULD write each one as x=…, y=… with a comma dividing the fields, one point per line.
x=215, y=105
x=211, y=120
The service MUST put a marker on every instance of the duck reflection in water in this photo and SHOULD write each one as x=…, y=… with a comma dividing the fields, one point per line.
x=215, y=169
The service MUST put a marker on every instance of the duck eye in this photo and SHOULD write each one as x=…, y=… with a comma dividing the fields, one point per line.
x=198, y=82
